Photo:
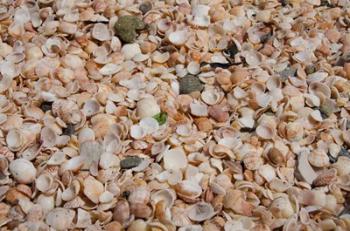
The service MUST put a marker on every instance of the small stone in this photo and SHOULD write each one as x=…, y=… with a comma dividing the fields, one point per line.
x=218, y=113
x=46, y=106
x=130, y=162
x=126, y=27
x=145, y=7
x=231, y=49
x=69, y=130
x=189, y=84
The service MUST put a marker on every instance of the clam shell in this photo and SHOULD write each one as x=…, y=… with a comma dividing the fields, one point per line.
x=147, y=107
x=201, y=211
x=100, y=32
x=93, y=189
x=130, y=50
x=23, y=171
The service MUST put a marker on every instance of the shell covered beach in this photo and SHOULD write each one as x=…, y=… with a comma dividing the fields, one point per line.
x=202, y=115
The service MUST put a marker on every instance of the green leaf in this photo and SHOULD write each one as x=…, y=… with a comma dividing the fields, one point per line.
x=161, y=117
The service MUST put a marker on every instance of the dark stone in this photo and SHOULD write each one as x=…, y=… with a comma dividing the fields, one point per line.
x=69, y=130
x=309, y=69
x=189, y=84
x=126, y=27
x=130, y=162
x=231, y=49
x=46, y=106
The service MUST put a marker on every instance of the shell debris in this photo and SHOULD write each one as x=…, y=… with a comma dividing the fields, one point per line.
x=152, y=115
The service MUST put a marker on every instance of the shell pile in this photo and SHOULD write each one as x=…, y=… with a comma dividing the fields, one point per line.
x=153, y=115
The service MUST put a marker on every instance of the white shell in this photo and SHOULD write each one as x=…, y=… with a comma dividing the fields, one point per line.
x=48, y=137
x=93, y=189
x=60, y=218
x=137, y=132
x=108, y=160
x=160, y=57
x=178, y=37
x=200, y=15
x=267, y=172
x=106, y=197
x=91, y=107
x=198, y=109
x=100, y=32
x=130, y=50
x=147, y=107
x=14, y=139
x=110, y=69
x=149, y=125
x=201, y=211
x=193, y=68
x=23, y=171
x=175, y=159
x=44, y=182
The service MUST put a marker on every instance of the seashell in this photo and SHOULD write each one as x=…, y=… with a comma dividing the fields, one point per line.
x=73, y=164
x=178, y=37
x=316, y=116
x=267, y=172
x=83, y=219
x=281, y=207
x=90, y=152
x=140, y=195
x=138, y=225
x=201, y=211
x=106, y=197
x=137, y=132
x=44, y=182
x=188, y=190
x=100, y=32
x=86, y=134
x=318, y=158
x=211, y=96
x=218, y=113
x=239, y=75
x=57, y=158
x=93, y=189
x=108, y=160
x=14, y=139
x=234, y=200
x=71, y=192
x=200, y=15
x=149, y=125
x=199, y=109
x=23, y=171
x=342, y=165
x=166, y=196
x=193, y=68
x=279, y=185
x=325, y=178
x=189, y=84
x=68, y=28
x=147, y=107
x=304, y=168
x=121, y=211
x=160, y=57
x=175, y=159
x=140, y=210
x=265, y=131
x=60, y=218
x=129, y=51
x=47, y=203
x=276, y=156
x=91, y=107
x=110, y=69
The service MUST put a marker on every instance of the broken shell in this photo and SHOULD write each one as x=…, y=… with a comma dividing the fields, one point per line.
x=267, y=172
x=131, y=50
x=23, y=171
x=93, y=189
x=100, y=32
x=14, y=139
x=265, y=131
x=175, y=159
x=140, y=195
x=44, y=182
x=281, y=207
x=147, y=107
x=199, y=109
x=179, y=37
x=60, y=218
x=342, y=165
x=201, y=211
x=91, y=107
x=318, y=158
x=188, y=190
x=211, y=96
x=121, y=211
